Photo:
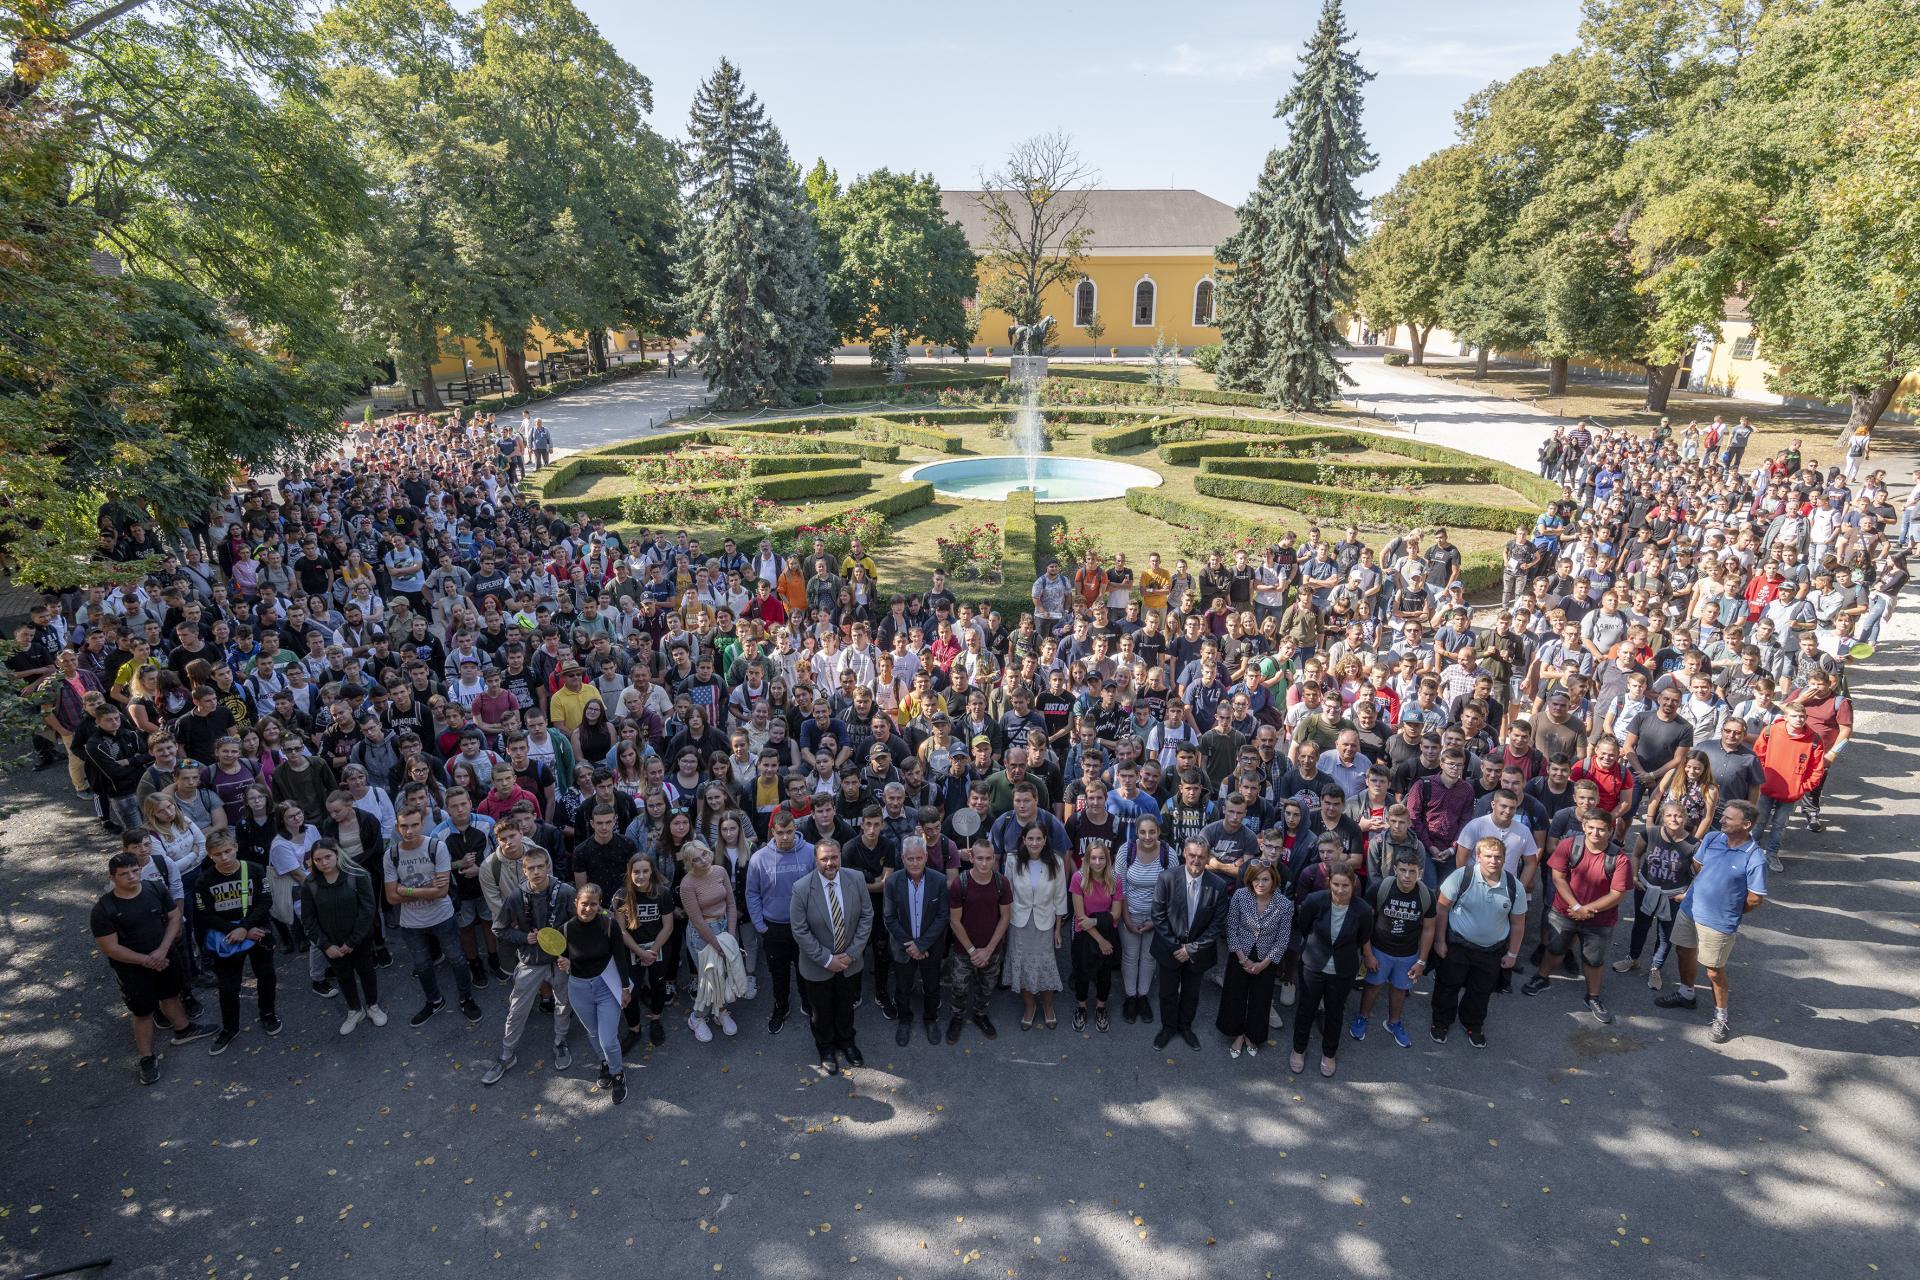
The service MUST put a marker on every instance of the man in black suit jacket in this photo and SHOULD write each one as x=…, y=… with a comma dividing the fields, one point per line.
x=918, y=948
x=1189, y=912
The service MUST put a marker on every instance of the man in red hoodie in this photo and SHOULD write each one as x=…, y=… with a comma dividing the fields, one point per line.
x=1793, y=762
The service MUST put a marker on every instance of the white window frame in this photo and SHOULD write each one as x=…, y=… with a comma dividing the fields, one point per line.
x=1213, y=302
x=1133, y=302
x=1093, y=310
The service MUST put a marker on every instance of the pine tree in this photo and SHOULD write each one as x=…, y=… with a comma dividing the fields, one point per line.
x=748, y=270
x=1287, y=263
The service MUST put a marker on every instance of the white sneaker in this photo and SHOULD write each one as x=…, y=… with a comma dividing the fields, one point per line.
x=727, y=1024
x=1287, y=994
x=1774, y=863
x=753, y=989
x=698, y=1025
x=1625, y=964
x=351, y=1021
x=1654, y=979
x=376, y=1015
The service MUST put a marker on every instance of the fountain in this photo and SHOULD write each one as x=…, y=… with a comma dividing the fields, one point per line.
x=1065, y=479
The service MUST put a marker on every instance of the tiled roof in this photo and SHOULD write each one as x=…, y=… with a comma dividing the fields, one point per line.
x=1140, y=219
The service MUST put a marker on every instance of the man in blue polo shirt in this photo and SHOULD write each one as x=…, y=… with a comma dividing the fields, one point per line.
x=1729, y=880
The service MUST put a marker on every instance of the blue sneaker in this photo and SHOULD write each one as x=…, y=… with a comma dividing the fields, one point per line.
x=1357, y=1028
x=1398, y=1031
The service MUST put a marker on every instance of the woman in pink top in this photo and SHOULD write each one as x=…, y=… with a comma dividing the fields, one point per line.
x=1096, y=934
x=706, y=895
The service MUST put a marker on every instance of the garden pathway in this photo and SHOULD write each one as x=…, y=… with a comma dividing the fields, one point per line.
x=1442, y=413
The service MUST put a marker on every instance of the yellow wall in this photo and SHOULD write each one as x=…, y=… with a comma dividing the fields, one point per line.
x=452, y=364
x=1114, y=278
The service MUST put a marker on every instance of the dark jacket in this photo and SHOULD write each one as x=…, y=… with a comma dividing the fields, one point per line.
x=1314, y=923
x=118, y=759
x=899, y=918
x=1170, y=929
x=373, y=849
x=339, y=914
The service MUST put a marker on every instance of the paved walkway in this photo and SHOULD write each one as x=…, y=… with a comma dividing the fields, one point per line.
x=619, y=410
x=1445, y=414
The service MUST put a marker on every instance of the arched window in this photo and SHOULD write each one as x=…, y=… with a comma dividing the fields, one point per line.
x=1203, y=304
x=1143, y=304
x=1086, y=300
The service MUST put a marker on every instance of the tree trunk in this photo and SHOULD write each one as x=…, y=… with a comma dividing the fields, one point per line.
x=1866, y=404
x=1417, y=339
x=1557, y=376
x=597, y=350
x=1480, y=362
x=1660, y=378
x=425, y=345
x=514, y=357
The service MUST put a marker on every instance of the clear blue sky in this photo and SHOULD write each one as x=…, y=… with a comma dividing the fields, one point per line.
x=1155, y=95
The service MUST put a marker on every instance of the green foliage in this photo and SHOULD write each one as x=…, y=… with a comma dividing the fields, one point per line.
x=1206, y=357
x=1396, y=359
x=914, y=433
x=1381, y=510
x=897, y=268
x=1035, y=209
x=1425, y=230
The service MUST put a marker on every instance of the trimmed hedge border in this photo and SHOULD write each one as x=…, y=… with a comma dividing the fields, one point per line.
x=1313, y=499
x=891, y=498
x=865, y=392
x=1132, y=435
x=908, y=433
x=1020, y=555
x=1178, y=395
x=784, y=485
x=1306, y=471
x=1187, y=453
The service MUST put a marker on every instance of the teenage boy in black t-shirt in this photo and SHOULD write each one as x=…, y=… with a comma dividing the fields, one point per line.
x=134, y=924
x=1403, y=923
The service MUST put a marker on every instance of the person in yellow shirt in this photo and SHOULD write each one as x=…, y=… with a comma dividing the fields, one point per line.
x=857, y=557
x=567, y=706
x=1154, y=584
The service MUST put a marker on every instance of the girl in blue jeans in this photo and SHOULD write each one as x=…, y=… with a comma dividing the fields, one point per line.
x=595, y=963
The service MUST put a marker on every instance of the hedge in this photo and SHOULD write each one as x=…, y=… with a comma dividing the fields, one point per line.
x=1174, y=395
x=864, y=392
x=910, y=433
x=1186, y=453
x=1523, y=482
x=1131, y=435
x=865, y=450
x=1021, y=555
x=783, y=486
x=1380, y=508
x=892, y=498
x=1307, y=471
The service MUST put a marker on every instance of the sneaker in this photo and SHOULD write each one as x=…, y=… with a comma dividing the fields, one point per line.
x=195, y=1031
x=271, y=1024
x=1720, y=1032
x=1600, y=1012
x=384, y=959
x=495, y=968
x=221, y=1041
x=605, y=1078
x=1127, y=1010
x=953, y=1029
x=562, y=1056
x=1357, y=1028
x=376, y=1015
x=673, y=993
x=546, y=1004
x=1398, y=1030
x=1654, y=979
x=858, y=1000
x=657, y=1032
x=753, y=988
x=326, y=988
x=471, y=1009
x=497, y=1070
x=1100, y=1022
x=477, y=973
x=887, y=1008
x=1079, y=1018
x=1674, y=1000
x=1478, y=1039
x=620, y=1088
x=148, y=1071
x=426, y=1011
x=1816, y=823
x=1774, y=863
x=776, y=1022
x=1536, y=984
x=352, y=1020
x=698, y=1025
x=727, y=1024
x=1625, y=964
x=1439, y=1034
x=1287, y=995
x=985, y=1024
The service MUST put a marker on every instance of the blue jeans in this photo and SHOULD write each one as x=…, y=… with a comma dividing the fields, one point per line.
x=1772, y=823
x=420, y=948
x=599, y=1011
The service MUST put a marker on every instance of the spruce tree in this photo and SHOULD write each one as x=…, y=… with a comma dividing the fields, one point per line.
x=1288, y=261
x=748, y=270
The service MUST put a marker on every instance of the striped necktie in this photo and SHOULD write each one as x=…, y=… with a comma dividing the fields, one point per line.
x=833, y=909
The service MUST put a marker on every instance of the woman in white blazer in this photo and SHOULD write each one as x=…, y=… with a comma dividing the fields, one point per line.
x=1039, y=878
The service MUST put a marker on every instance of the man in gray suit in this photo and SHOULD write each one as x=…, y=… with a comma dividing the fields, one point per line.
x=916, y=918
x=832, y=920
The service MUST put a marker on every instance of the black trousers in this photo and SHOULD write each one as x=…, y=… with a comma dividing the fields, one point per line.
x=1246, y=1003
x=923, y=973
x=649, y=992
x=228, y=971
x=783, y=955
x=831, y=1016
x=1179, y=994
x=1464, y=986
x=354, y=972
x=879, y=963
x=1324, y=994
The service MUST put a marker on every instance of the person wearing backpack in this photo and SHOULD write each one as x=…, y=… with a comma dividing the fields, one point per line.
x=418, y=875
x=1478, y=920
x=979, y=912
x=1403, y=928
x=1591, y=874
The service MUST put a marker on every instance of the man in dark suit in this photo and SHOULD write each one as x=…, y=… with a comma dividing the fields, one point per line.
x=1189, y=911
x=831, y=922
x=915, y=911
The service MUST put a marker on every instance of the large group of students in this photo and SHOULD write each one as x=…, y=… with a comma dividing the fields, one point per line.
x=388, y=707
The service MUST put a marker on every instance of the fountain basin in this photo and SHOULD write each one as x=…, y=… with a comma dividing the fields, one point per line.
x=1053, y=478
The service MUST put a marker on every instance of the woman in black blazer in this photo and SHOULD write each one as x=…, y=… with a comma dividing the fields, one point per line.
x=1337, y=929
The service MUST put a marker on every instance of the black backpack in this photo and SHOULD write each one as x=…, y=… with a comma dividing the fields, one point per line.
x=1579, y=851
x=1382, y=890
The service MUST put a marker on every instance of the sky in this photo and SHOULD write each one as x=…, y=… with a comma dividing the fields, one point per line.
x=1155, y=95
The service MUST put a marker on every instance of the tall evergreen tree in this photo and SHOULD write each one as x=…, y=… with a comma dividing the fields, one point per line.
x=748, y=268
x=1289, y=261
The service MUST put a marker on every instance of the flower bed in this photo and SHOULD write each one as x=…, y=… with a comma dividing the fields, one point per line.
x=974, y=553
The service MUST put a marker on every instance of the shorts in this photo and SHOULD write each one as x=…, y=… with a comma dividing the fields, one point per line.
x=1562, y=933
x=1713, y=946
x=144, y=989
x=1392, y=969
x=471, y=910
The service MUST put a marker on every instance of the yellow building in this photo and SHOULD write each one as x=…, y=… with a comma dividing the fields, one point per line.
x=1149, y=271
x=482, y=356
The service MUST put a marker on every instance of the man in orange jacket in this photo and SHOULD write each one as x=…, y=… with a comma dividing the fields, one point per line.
x=1793, y=761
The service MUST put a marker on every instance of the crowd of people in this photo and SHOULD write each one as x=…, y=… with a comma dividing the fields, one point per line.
x=389, y=706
